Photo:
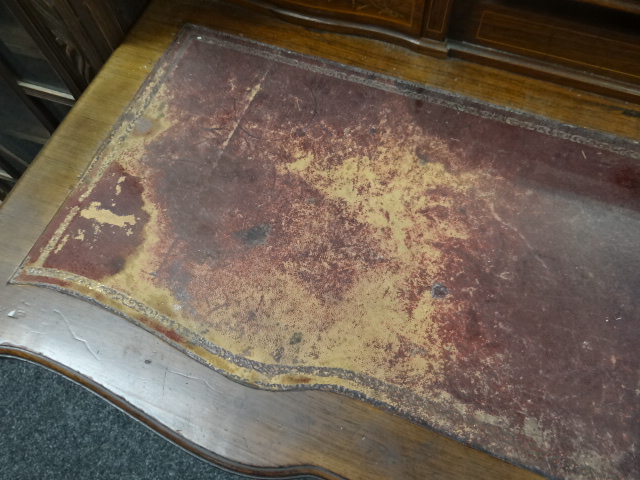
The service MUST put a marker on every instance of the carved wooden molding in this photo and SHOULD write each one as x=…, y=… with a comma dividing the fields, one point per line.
x=76, y=36
x=64, y=37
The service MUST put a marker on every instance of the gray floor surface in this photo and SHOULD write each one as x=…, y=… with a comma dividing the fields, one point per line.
x=52, y=428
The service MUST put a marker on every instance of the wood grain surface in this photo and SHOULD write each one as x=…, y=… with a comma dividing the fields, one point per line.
x=588, y=44
x=252, y=431
x=579, y=45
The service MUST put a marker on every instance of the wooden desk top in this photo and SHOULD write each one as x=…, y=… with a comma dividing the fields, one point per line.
x=249, y=430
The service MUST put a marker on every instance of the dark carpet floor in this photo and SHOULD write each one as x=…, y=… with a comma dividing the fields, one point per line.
x=52, y=428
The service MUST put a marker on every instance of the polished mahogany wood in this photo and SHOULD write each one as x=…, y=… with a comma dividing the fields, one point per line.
x=590, y=44
x=589, y=47
x=436, y=19
x=406, y=34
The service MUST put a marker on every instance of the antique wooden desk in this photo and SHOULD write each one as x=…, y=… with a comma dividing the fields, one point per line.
x=252, y=431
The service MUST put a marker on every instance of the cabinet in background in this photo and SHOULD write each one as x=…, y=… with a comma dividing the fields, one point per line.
x=49, y=53
x=589, y=44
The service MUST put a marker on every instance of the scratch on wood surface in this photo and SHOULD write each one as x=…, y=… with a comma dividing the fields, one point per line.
x=191, y=377
x=75, y=336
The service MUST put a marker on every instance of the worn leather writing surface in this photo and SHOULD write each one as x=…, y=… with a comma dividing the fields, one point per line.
x=299, y=224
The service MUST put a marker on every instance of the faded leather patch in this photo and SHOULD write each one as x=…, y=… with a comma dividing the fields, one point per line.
x=299, y=224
